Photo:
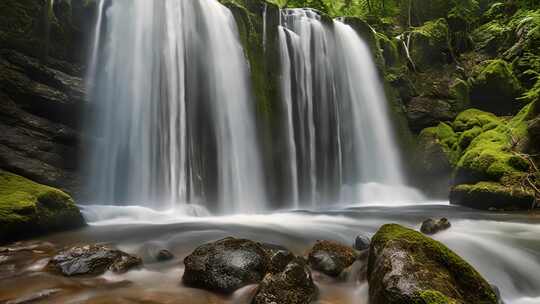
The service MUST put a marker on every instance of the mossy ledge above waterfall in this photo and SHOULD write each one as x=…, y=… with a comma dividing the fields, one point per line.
x=28, y=208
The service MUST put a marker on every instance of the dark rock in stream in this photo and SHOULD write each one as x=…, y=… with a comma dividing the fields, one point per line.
x=361, y=242
x=294, y=285
x=164, y=255
x=331, y=258
x=407, y=267
x=92, y=260
x=226, y=265
x=279, y=257
x=431, y=226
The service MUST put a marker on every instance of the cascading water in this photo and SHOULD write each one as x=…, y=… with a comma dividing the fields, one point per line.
x=338, y=126
x=171, y=108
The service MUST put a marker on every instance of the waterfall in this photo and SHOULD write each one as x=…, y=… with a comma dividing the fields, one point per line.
x=339, y=130
x=171, y=109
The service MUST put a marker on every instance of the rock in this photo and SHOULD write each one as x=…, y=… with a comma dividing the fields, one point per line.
x=92, y=260
x=28, y=208
x=331, y=258
x=407, y=267
x=434, y=150
x=226, y=265
x=492, y=195
x=431, y=226
x=495, y=88
x=361, y=242
x=430, y=45
x=423, y=112
x=164, y=255
x=294, y=285
x=39, y=112
x=279, y=260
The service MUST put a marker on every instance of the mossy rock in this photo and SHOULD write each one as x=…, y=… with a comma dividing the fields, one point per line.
x=495, y=88
x=28, y=208
x=492, y=195
x=430, y=45
x=459, y=92
x=471, y=118
x=407, y=267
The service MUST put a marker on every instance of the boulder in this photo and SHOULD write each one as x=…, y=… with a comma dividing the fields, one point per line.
x=431, y=226
x=406, y=267
x=28, y=208
x=492, y=195
x=495, y=88
x=430, y=45
x=279, y=260
x=423, y=112
x=294, y=285
x=226, y=265
x=92, y=260
x=361, y=242
x=331, y=258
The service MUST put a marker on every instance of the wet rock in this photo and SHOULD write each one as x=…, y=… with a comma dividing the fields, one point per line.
x=431, y=226
x=294, y=285
x=407, y=267
x=423, y=112
x=164, y=255
x=331, y=258
x=361, y=242
x=39, y=113
x=92, y=260
x=226, y=265
x=279, y=257
x=279, y=260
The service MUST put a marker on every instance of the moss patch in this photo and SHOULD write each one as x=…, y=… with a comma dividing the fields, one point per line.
x=30, y=208
x=492, y=195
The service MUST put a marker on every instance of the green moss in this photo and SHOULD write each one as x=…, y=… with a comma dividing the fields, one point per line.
x=467, y=137
x=430, y=45
x=487, y=195
x=459, y=91
x=26, y=206
x=495, y=88
x=433, y=297
x=474, y=118
x=436, y=258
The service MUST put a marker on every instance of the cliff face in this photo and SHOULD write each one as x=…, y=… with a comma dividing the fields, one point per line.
x=41, y=88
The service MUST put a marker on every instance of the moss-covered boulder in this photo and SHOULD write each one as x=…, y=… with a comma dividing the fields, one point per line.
x=492, y=195
x=495, y=88
x=28, y=208
x=490, y=157
x=430, y=44
x=406, y=267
